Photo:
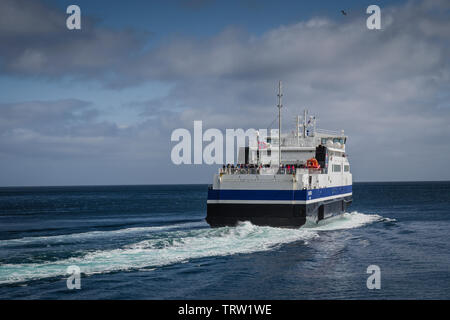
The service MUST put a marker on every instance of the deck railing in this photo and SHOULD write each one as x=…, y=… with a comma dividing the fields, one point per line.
x=270, y=170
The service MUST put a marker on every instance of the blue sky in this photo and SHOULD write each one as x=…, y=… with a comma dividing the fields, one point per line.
x=97, y=106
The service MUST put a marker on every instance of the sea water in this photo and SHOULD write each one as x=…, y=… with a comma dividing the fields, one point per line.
x=152, y=242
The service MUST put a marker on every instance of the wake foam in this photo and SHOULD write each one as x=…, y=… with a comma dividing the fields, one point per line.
x=180, y=246
x=344, y=221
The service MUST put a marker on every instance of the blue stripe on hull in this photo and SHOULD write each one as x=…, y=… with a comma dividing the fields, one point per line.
x=280, y=195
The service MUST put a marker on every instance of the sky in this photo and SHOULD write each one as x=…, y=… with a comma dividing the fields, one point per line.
x=97, y=106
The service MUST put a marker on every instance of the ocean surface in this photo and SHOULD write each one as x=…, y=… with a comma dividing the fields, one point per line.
x=151, y=242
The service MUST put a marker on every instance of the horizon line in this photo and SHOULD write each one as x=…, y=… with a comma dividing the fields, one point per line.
x=183, y=184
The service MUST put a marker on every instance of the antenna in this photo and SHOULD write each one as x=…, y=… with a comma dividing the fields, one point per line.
x=305, y=112
x=279, y=122
x=314, y=126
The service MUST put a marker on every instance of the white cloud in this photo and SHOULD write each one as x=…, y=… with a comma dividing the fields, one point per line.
x=388, y=89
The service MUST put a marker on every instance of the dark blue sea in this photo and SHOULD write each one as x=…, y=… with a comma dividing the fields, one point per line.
x=151, y=242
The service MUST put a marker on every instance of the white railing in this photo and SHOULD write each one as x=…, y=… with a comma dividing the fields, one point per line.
x=270, y=170
x=330, y=132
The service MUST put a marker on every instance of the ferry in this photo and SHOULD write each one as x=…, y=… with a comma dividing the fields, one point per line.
x=285, y=179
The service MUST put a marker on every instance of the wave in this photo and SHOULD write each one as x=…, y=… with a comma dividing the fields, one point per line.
x=180, y=246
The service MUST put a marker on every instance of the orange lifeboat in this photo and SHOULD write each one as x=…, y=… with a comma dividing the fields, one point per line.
x=312, y=163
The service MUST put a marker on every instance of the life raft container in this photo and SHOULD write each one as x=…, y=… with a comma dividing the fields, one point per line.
x=312, y=163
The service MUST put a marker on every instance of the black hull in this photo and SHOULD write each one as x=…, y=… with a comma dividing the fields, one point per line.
x=274, y=215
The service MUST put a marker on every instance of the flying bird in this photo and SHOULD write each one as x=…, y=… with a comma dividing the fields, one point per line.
x=344, y=13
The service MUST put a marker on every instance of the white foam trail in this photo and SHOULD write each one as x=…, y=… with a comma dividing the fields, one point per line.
x=175, y=247
x=95, y=234
x=389, y=220
x=343, y=221
x=181, y=246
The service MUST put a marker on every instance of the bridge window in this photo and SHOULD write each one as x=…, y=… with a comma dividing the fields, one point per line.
x=336, y=168
x=340, y=140
x=346, y=168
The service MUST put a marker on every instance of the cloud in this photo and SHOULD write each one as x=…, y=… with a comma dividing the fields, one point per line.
x=34, y=41
x=64, y=142
x=415, y=29
x=46, y=116
x=388, y=89
x=52, y=128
